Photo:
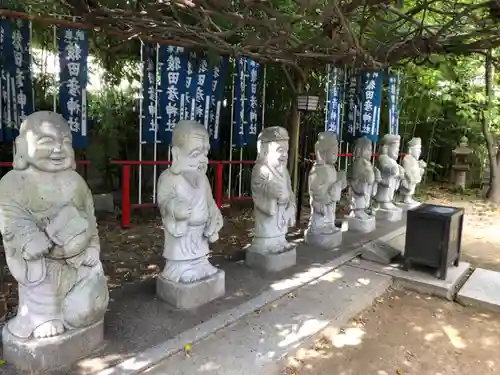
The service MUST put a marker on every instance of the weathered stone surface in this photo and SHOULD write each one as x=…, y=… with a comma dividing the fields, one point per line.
x=362, y=225
x=53, y=353
x=380, y=252
x=422, y=282
x=271, y=262
x=189, y=296
x=389, y=215
x=482, y=289
x=323, y=240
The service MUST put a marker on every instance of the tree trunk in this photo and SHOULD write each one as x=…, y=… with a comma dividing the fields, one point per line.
x=493, y=193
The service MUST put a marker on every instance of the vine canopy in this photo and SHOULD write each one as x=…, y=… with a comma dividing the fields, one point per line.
x=370, y=34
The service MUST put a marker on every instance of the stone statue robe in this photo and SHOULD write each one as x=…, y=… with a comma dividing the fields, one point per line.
x=389, y=179
x=325, y=187
x=412, y=176
x=55, y=286
x=186, y=240
x=274, y=201
x=362, y=182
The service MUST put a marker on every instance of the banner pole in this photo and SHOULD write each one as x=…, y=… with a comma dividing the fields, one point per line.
x=231, y=130
x=141, y=103
x=264, y=97
x=327, y=92
x=155, y=146
x=243, y=102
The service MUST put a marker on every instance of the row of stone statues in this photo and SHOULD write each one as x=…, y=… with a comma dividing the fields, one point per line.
x=52, y=245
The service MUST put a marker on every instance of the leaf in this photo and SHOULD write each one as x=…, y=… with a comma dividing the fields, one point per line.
x=2, y=362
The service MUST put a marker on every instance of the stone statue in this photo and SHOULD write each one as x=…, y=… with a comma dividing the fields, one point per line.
x=414, y=170
x=362, y=179
x=51, y=242
x=325, y=187
x=274, y=202
x=191, y=219
x=391, y=174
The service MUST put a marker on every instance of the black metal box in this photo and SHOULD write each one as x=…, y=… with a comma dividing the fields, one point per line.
x=433, y=237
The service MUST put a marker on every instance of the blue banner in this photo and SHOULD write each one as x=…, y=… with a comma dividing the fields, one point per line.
x=239, y=104
x=393, y=103
x=73, y=53
x=371, y=100
x=172, y=84
x=218, y=84
x=203, y=92
x=352, y=118
x=8, y=71
x=23, y=80
x=149, y=97
x=332, y=121
x=251, y=102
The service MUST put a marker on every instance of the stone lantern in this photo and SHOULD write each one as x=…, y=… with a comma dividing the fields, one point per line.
x=461, y=163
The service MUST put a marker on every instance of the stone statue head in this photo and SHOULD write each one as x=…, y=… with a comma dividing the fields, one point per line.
x=326, y=148
x=363, y=148
x=190, y=146
x=272, y=146
x=415, y=147
x=44, y=143
x=390, y=145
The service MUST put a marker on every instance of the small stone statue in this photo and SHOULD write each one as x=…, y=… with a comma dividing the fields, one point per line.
x=362, y=179
x=274, y=203
x=414, y=170
x=191, y=219
x=325, y=187
x=391, y=174
x=52, y=248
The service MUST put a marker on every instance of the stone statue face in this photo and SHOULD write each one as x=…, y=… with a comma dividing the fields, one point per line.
x=193, y=156
x=415, y=151
x=393, y=150
x=48, y=147
x=276, y=153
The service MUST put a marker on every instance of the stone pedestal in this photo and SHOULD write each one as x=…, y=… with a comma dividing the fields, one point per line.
x=51, y=354
x=406, y=206
x=189, y=296
x=323, y=240
x=389, y=215
x=360, y=225
x=271, y=262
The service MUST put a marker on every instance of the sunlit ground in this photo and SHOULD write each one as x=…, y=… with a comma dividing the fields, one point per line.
x=405, y=333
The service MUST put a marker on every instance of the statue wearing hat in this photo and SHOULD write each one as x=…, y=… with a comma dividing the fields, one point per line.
x=414, y=170
x=274, y=203
x=325, y=187
x=391, y=174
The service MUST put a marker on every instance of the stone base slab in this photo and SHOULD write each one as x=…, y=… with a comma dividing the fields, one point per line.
x=379, y=252
x=481, y=290
x=271, y=262
x=389, y=215
x=324, y=241
x=54, y=353
x=189, y=296
x=363, y=226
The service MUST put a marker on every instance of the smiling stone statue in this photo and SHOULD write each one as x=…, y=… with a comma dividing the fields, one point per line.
x=274, y=203
x=52, y=248
x=191, y=220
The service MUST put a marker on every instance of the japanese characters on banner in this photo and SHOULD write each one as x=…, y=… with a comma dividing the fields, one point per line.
x=352, y=118
x=371, y=100
x=333, y=105
x=149, y=97
x=16, y=81
x=190, y=91
x=239, y=103
x=393, y=101
x=218, y=84
x=173, y=67
x=251, y=102
x=203, y=92
x=73, y=54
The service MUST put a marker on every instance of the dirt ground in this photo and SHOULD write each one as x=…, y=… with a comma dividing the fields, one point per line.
x=406, y=334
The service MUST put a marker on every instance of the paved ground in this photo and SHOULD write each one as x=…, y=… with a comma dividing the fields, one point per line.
x=406, y=334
